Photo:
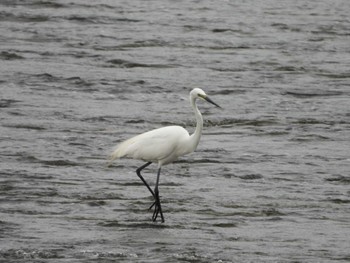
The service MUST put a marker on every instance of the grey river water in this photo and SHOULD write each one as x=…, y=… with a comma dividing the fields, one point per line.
x=270, y=179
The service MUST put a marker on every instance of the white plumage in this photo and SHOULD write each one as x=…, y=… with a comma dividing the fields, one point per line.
x=163, y=146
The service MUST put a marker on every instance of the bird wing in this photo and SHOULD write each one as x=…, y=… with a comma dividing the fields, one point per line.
x=151, y=146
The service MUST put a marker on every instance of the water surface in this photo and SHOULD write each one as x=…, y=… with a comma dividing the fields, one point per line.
x=269, y=181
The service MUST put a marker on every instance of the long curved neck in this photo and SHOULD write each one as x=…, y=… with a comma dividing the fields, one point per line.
x=195, y=137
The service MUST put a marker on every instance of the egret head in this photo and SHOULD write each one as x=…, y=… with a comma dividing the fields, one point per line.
x=199, y=93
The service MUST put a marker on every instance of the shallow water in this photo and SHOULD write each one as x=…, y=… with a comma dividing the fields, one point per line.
x=269, y=181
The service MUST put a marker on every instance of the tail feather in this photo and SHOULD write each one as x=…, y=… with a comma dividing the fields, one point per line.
x=114, y=155
x=119, y=152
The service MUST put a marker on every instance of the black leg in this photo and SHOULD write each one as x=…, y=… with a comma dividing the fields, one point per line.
x=155, y=193
x=157, y=205
x=138, y=172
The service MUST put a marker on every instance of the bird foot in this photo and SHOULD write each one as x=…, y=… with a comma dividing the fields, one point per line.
x=157, y=210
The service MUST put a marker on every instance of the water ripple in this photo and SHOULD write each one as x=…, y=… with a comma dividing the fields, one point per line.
x=272, y=166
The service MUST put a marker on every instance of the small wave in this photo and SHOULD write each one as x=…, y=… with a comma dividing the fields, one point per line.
x=242, y=122
x=338, y=200
x=85, y=19
x=331, y=29
x=192, y=256
x=5, y=55
x=78, y=81
x=38, y=81
x=23, y=17
x=310, y=138
x=6, y=227
x=290, y=69
x=129, y=64
x=224, y=30
x=312, y=93
x=97, y=203
x=35, y=4
x=320, y=121
x=202, y=160
x=37, y=77
x=228, y=91
x=105, y=255
x=147, y=225
x=341, y=179
x=47, y=4
x=58, y=162
x=135, y=121
x=146, y=43
x=30, y=254
x=281, y=26
x=194, y=28
x=344, y=75
x=100, y=19
x=226, y=225
x=271, y=212
x=6, y=103
x=97, y=119
x=25, y=126
x=251, y=176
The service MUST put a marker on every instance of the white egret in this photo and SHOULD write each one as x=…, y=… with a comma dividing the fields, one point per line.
x=163, y=146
